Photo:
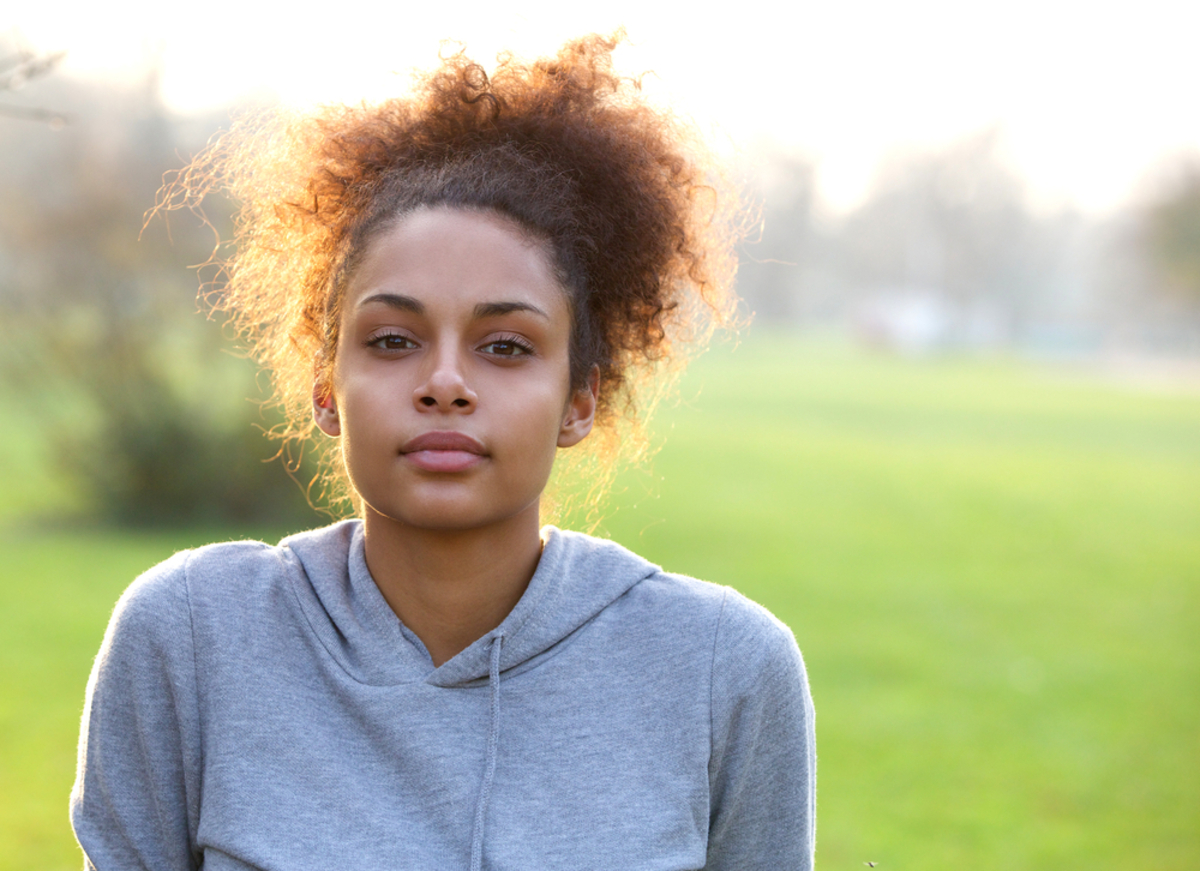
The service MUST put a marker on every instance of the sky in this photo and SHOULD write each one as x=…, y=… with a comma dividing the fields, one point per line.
x=1089, y=97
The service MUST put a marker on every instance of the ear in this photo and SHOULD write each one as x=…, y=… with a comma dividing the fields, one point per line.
x=325, y=412
x=581, y=412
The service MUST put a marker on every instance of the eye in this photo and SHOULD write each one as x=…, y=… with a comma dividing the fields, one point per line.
x=391, y=342
x=509, y=346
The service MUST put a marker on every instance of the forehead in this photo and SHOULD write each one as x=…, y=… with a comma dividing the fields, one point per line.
x=448, y=257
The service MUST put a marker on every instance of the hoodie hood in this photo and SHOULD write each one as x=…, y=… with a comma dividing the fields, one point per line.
x=577, y=577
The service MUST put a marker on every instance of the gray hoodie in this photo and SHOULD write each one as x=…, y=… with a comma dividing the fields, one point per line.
x=257, y=707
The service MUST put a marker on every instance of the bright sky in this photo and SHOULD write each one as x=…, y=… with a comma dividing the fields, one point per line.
x=1090, y=95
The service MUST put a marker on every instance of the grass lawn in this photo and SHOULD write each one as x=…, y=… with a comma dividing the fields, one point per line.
x=994, y=574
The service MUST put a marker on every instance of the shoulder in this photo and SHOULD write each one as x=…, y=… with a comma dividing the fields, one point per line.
x=755, y=672
x=629, y=585
x=241, y=563
x=741, y=626
x=228, y=575
x=170, y=586
x=679, y=605
x=749, y=631
x=753, y=653
x=668, y=591
x=752, y=650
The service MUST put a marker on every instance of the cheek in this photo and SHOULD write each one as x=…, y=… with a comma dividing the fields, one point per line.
x=362, y=409
x=533, y=418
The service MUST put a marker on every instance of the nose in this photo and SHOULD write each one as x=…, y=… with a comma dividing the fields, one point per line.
x=445, y=386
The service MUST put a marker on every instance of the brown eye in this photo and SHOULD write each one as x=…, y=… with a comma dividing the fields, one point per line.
x=392, y=342
x=507, y=348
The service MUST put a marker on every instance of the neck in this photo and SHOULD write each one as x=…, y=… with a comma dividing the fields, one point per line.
x=451, y=587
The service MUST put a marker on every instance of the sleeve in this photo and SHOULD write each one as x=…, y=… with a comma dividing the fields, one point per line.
x=762, y=773
x=135, y=803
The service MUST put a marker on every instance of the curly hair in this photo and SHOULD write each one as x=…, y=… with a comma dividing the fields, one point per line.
x=640, y=226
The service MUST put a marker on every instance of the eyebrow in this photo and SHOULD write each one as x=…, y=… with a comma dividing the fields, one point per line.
x=396, y=301
x=494, y=309
x=482, y=310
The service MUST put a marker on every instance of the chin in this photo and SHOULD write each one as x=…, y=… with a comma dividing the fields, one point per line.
x=448, y=516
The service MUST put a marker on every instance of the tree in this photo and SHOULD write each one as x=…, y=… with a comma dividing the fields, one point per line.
x=141, y=404
x=954, y=228
x=779, y=254
x=1172, y=231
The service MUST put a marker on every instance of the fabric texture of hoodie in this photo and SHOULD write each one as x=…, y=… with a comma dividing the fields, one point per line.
x=257, y=707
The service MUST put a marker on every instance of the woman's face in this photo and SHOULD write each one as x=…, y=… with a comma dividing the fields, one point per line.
x=451, y=387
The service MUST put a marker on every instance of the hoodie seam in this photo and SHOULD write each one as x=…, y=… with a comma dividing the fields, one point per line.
x=712, y=683
x=199, y=776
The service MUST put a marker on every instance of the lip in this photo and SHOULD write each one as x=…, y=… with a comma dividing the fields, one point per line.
x=443, y=451
x=442, y=440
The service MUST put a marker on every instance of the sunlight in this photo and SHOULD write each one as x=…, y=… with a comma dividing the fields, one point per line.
x=1088, y=98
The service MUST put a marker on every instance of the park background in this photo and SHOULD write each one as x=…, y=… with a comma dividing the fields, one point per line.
x=957, y=449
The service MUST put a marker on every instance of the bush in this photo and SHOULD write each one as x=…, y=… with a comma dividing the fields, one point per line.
x=141, y=403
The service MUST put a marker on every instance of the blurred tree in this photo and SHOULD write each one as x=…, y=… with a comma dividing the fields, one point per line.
x=1172, y=231
x=954, y=230
x=950, y=221
x=945, y=236
x=140, y=402
x=779, y=253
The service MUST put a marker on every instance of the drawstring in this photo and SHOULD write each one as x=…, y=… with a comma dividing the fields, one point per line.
x=489, y=770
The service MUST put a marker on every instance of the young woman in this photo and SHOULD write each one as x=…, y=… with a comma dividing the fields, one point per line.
x=452, y=287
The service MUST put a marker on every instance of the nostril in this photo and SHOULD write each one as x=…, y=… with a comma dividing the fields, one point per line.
x=461, y=403
x=428, y=401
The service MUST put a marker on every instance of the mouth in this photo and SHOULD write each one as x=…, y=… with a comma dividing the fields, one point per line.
x=443, y=451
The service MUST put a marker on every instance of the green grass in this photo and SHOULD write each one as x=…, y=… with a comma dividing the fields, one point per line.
x=994, y=574
x=56, y=590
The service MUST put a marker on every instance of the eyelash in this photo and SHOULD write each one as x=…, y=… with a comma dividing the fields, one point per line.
x=523, y=347
x=381, y=340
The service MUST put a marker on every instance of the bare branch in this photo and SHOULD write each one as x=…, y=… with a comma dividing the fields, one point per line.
x=25, y=66
x=18, y=68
